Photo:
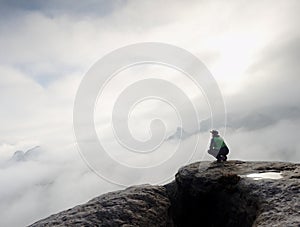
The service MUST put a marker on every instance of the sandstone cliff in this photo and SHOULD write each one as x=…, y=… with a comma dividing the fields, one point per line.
x=203, y=194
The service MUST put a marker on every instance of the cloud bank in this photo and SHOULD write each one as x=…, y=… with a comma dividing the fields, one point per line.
x=251, y=48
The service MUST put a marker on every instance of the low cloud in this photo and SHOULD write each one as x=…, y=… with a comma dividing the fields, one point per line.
x=47, y=47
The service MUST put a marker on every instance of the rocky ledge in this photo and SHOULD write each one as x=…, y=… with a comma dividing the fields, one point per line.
x=202, y=194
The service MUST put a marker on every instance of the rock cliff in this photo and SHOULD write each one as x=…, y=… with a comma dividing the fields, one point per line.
x=202, y=194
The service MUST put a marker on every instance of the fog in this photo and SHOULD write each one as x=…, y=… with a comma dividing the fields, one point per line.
x=250, y=48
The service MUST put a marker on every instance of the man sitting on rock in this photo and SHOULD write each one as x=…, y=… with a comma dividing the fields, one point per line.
x=218, y=147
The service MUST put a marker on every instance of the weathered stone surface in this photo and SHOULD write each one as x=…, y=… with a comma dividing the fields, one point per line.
x=220, y=194
x=143, y=205
x=203, y=194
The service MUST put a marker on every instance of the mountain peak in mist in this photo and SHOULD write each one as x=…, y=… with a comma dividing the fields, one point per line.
x=30, y=154
x=180, y=133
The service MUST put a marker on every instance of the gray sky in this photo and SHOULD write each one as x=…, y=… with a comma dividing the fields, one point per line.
x=251, y=48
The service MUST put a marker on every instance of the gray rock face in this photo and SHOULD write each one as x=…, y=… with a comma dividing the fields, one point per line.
x=203, y=194
x=221, y=194
x=143, y=205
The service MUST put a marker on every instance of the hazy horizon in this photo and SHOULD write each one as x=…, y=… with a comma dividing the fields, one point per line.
x=250, y=48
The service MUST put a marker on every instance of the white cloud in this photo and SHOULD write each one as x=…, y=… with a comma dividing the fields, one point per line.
x=250, y=48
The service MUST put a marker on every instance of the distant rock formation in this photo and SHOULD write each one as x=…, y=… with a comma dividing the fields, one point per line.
x=18, y=156
x=30, y=154
x=202, y=194
x=179, y=134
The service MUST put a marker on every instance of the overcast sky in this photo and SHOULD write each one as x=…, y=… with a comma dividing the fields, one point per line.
x=252, y=48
